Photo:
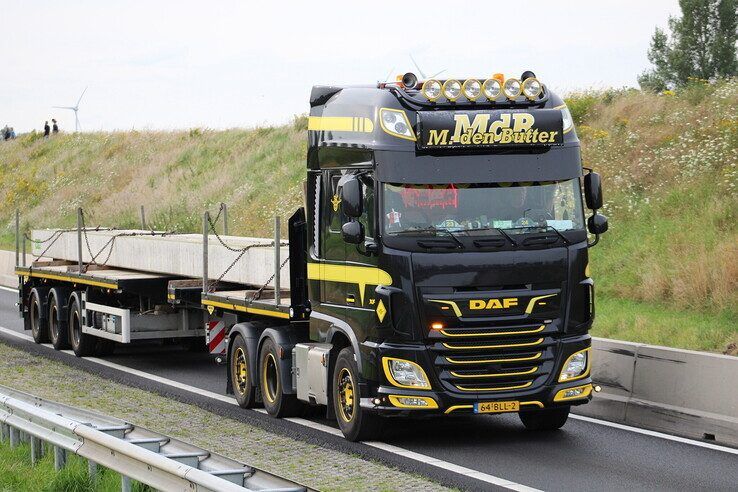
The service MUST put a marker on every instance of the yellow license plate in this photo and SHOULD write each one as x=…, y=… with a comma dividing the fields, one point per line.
x=496, y=406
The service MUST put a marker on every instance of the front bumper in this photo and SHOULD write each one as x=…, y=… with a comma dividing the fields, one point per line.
x=382, y=395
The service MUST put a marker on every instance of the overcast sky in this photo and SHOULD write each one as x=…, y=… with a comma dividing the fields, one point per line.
x=220, y=64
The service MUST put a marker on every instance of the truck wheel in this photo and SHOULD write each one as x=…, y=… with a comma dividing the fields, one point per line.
x=545, y=420
x=58, y=329
x=276, y=402
x=39, y=325
x=356, y=423
x=241, y=380
x=82, y=343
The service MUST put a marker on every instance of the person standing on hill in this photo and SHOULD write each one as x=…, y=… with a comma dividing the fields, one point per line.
x=47, y=129
x=54, y=127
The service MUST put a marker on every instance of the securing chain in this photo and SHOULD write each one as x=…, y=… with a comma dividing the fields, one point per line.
x=257, y=294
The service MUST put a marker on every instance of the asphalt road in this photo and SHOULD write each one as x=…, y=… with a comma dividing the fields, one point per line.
x=584, y=455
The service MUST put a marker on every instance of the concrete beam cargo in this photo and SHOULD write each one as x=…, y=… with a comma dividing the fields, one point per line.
x=179, y=254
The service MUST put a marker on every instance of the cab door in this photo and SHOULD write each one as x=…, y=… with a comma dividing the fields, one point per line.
x=333, y=247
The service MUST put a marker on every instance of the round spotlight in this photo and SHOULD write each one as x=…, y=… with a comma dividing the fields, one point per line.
x=532, y=88
x=452, y=89
x=472, y=89
x=511, y=88
x=431, y=89
x=410, y=80
x=492, y=89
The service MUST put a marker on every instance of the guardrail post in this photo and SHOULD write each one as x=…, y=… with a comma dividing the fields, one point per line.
x=14, y=437
x=4, y=432
x=60, y=458
x=205, y=231
x=277, y=261
x=224, y=207
x=17, y=238
x=92, y=470
x=125, y=484
x=36, y=451
x=79, y=239
x=143, y=218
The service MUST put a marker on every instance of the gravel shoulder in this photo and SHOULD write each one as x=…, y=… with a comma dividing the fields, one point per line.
x=310, y=464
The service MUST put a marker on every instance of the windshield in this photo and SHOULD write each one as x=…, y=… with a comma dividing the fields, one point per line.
x=472, y=207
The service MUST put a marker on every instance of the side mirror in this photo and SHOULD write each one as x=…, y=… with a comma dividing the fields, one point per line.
x=353, y=232
x=593, y=191
x=597, y=224
x=351, y=199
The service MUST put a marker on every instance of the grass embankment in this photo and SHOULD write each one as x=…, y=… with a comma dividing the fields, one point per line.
x=17, y=473
x=666, y=272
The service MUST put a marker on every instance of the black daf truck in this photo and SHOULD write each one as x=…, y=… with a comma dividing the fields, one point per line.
x=446, y=255
x=439, y=266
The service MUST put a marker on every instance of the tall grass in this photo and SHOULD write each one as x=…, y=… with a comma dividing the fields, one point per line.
x=18, y=474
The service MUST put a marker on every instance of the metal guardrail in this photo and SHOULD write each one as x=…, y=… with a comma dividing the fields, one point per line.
x=136, y=453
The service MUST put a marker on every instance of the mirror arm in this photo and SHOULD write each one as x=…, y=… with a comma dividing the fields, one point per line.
x=594, y=243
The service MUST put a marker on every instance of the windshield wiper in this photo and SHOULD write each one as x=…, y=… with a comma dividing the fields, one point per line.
x=434, y=230
x=545, y=228
x=501, y=231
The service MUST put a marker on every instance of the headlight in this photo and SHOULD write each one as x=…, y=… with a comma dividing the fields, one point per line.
x=395, y=122
x=576, y=366
x=471, y=89
x=566, y=116
x=492, y=89
x=532, y=88
x=431, y=89
x=405, y=374
x=511, y=88
x=452, y=89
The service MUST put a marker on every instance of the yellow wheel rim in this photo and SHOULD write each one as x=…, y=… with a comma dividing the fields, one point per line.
x=270, y=378
x=346, y=399
x=240, y=371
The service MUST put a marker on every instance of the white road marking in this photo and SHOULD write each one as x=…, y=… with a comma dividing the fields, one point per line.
x=14, y=291
x=646, y=432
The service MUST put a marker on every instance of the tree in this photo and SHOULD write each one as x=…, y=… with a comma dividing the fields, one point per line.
x=701, y=44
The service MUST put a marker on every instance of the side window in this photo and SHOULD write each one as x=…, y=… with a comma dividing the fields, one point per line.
x=367, y=217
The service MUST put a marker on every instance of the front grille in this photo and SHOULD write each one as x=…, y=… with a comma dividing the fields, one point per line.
x=495, y=358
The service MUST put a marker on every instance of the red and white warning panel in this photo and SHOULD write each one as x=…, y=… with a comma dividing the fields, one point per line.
x=215, y=335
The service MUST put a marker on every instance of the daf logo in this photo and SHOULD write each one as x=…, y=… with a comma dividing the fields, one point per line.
x=505, y=303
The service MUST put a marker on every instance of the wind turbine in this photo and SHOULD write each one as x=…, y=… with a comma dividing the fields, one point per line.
x=421, y=71
x=74, y=108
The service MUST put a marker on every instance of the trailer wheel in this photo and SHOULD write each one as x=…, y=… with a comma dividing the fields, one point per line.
x=356, y=423
x=276, y=402
x=82, y=343
x=544, y=420
x=39, y=323
x=241, y=379
x=58, y=329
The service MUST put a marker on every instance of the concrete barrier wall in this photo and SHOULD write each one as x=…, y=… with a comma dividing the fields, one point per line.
x=693, y=394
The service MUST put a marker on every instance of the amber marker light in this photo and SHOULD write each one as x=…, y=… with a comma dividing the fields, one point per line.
x=437, y=326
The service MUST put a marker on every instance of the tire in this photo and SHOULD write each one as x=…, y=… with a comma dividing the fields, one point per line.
x=58, y=329
x=276, y=402
x=242, y=382
x=356, y=423
x=545, y=420
x=39, y=325
x=82, y=343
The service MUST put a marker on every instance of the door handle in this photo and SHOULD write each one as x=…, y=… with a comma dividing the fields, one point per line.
x=351, y=298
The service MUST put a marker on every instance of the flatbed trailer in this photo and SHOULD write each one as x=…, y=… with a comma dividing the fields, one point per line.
x=439, y=267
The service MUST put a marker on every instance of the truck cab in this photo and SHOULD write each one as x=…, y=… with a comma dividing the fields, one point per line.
x=447, y=250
